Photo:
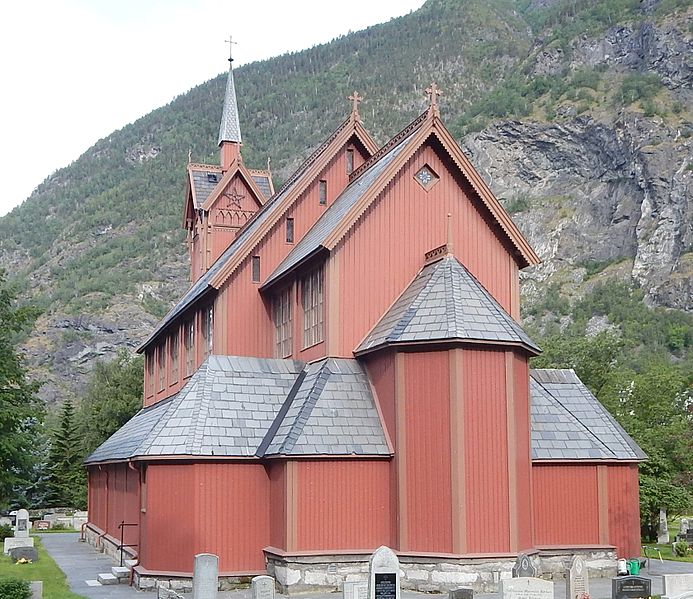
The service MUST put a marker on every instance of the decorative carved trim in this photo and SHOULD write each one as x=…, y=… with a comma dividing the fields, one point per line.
x=436, y=254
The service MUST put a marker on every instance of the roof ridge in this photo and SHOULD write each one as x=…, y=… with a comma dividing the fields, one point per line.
x=201, y=410
x=582, y=424
x=394, y=141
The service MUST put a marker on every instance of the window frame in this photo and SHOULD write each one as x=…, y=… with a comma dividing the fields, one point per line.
x=322, y=192
x=313, y=304
x=255, y=269
x=207, y=329
x=290, y=229
x=282, y=317
x=173, y=353
x=189, y=346
x=161, y=366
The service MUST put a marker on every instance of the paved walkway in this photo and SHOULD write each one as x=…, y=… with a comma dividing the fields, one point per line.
x=81, y=563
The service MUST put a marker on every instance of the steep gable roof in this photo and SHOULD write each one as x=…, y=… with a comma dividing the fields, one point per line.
x=445, y=302
x=569, y=423
x=262, y=221
x=235, y=406
x=369, y=180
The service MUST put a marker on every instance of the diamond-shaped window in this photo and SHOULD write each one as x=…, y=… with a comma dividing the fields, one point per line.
x=426, y=177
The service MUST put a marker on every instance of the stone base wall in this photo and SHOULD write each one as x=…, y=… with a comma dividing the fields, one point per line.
x=301, y=574
x=180, y=584
x=106, y=544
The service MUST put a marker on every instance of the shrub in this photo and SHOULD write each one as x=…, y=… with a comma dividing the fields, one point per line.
x=5, y=531
x=681, y=549
x=13, y=588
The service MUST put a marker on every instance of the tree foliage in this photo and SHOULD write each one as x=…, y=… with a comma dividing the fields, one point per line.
x=20, y=410
x=67, y=480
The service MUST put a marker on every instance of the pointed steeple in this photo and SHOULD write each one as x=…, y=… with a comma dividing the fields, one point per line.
x=230, y=128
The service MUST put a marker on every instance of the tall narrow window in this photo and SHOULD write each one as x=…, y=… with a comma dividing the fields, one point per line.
x=255, y=268
x=281, y=310
x=207, y=331
x=350, y=160
x=312, y=302
x=323, y=192
x=173, y=351
x=289, y=230
x=189, y=341
x=149, y=387
x=161, y=365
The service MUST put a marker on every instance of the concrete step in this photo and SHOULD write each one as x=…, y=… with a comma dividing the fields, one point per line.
x=107, y=578
x=120, y=572
x=130, y=563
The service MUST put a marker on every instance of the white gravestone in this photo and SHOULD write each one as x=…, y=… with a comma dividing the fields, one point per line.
x=205, y=576
x=676, y=584
x=21, y=536
x=683, y=526
x=526, y=588
x=663, y=534
x=577, y=581
x=383, y=579
x=355, y=590
x=262, y=587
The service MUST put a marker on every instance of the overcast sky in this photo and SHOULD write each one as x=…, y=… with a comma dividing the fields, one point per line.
x=75, y=70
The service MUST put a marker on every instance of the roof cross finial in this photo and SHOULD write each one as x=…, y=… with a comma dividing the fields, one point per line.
x=448, y=242
x=230, y=42
x=355, y=99
x=433, y=92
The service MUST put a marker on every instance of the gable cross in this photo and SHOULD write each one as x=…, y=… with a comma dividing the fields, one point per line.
x=230, y=42
x=433, y=92
x=355, y=99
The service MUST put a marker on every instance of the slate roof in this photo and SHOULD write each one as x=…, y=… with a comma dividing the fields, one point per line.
x=263, y=183
x=312, y=241
x=230, y=128
x=202, y=285
x=569, y=423
x=445, y=302
x=233, y=407
x=204, y=184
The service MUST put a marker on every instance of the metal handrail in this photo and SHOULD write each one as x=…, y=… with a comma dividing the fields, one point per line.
x=122, y=526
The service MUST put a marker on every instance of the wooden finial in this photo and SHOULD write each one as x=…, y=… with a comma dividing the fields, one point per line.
x=269, y=162
x=449, y=239
x=433, y=92
x=230, y=42
x=189, y=155
x=355, y=99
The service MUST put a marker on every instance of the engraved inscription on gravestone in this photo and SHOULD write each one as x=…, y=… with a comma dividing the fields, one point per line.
x=524, y=567
x=526, y=588
x=577, y=580
x=461, y=594
x=262, y=587
x=355, y=590
x=383, y=579
x=205, y=576
x=630, y=587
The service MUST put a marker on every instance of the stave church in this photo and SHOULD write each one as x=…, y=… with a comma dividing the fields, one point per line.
x=348, y=370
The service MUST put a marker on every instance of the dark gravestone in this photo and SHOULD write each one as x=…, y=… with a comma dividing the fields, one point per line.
x=524, y=568
x=29, y=553
x=630, y=587
x=385, y=585
x=42, y=525
x=461, y=594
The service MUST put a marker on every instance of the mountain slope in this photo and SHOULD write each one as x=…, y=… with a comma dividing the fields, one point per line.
x=576, y=112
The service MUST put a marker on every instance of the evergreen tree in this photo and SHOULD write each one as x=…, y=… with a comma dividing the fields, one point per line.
x=20, y=409
x=67, y=479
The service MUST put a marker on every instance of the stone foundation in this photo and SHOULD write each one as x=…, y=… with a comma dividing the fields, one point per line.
x=308, y=573
x=162, y=584
x=106, y=544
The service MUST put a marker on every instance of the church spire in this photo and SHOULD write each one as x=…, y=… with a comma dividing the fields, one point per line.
x=230, y=128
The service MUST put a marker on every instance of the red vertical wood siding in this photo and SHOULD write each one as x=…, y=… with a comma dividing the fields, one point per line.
x=523, y=453
x=429, y=502
x=385, y=249
x=98, y=497
x=624, y=509
x=276, y=471
x=218, y=508
x=381, y=373
x=486, y=451
x=113, y=498
x=343, y=504
x=566, y=504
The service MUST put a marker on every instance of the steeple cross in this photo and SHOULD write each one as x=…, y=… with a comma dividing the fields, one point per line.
x=230, y=42
x=355, y=99
x=433, y=92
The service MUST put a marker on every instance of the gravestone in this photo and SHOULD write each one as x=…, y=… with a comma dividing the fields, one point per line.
x=630, y=587
x=42, y=525
x=21, y=529
x=36, y=588
x=461, y=594
x=676, y=584
x=262, y=587
x=28, y=553
x=525, y=587
x=577, y=580
x=355, y=590
x=683, y=526
x=524, y=568
x=383, y=579
x=205, y=576
x=663, y=532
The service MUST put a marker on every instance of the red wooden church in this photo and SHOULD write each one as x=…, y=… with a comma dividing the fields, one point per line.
x=347, y=370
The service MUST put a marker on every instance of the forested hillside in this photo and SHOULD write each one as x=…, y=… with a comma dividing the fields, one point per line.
x=577, y=113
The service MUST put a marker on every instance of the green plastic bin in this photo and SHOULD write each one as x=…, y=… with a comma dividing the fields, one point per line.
x=634, y=566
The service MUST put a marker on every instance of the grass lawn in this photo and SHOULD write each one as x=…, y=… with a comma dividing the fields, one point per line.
x=54, y=584
x=667, y=553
